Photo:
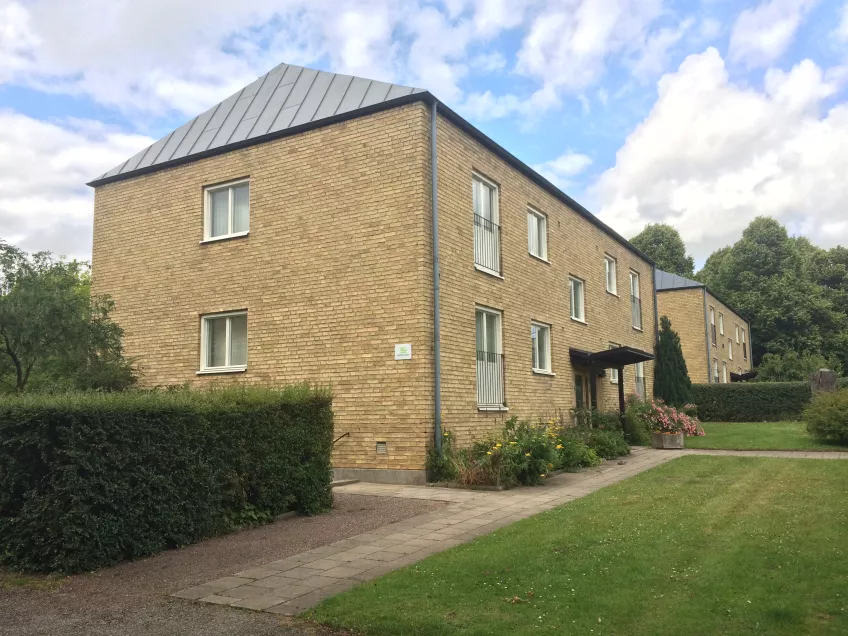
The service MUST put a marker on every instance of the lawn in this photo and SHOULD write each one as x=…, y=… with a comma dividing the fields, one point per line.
x=701, y=545
x=758, y=436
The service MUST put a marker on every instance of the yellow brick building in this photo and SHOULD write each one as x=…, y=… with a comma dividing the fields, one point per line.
x=716, y=340
x=287, y=235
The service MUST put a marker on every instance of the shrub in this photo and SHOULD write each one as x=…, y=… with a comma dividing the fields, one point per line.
x=751, y=401
x=671, y=377
x=442, y=466
x=87, y=480
x=663, y=418
x=636, y=430
x=574, y=454
x=827, y=417
x=606, y=443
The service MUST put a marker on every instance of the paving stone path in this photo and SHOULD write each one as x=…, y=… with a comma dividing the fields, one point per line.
x=293, y=585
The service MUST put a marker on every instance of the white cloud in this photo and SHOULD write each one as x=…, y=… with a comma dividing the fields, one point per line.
x=653, y=56
x=44, y=202
x=711, y=155
x=562, y=170
x=842, y=29
x=761, y=35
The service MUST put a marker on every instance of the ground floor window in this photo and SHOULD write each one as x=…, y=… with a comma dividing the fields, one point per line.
x=490, y=363
x=540, y=336
x=715, y=371
x=640, y=380
x=724, y=372
x=223, y=342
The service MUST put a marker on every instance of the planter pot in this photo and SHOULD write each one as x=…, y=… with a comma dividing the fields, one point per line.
x=667, y=440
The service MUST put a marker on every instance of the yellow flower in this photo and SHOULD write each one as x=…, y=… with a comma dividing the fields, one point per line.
x=558, y=446
x=527, y=454
x=488, y=452
x=550, y=466
x=513, y=443
x=498, y=445
x=542, y=475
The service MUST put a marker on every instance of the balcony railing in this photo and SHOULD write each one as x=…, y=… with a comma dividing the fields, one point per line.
x=636, y=311
x=487, y=244
x=490, y=379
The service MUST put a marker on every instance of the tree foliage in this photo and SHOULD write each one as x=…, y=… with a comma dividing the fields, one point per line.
x=671, y=377
x=663, y=244
x=769, y=278
x=795, y=367
x=53, y=332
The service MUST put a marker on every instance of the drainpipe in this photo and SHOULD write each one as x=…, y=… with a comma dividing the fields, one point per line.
x=707, y=338
x=656, y=322
x=437, y=327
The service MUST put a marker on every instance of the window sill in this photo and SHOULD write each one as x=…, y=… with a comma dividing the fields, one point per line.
x=217, y=370
x=611, y=293
x=500, y=409
x=488, y=271
x=224, y=238
x=639, y=329
x=615, y=382
x=539, y=258
x=582, y=322
x=544, y=372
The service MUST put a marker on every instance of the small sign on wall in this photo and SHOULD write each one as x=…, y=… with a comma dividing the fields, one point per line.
x=403, y=352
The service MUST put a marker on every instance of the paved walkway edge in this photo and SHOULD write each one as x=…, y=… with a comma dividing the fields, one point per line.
x=293, y=585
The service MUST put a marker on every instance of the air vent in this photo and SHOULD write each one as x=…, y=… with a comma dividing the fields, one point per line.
x=382, y=448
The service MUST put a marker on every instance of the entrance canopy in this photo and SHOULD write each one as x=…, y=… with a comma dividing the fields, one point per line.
x=742, y=377
x=610, y=358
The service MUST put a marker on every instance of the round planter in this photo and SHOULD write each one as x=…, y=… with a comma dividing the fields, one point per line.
x=667, y=440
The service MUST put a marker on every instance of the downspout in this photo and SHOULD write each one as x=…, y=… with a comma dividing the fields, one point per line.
x=707, y=338
x=437, y=327
x=656, y=323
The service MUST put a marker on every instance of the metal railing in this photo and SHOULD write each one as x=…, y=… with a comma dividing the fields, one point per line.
x=487, y=244
x=490, y=379
x=636, y=311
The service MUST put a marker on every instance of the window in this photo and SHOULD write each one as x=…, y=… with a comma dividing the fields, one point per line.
x=537, y=234
x=227, y=210
x=490, y=367
x=715, y=371
x=580, y=391
x=610, y=274
x=744, y=346
x=577, y=305
x=640, y=379
x=223, y=342
x=730, y=348
x=613, y=372
x=724, y=372
x=712, y=325
x=635, y=301
x=737, y=334
x=541, y=337
x=487, y=232
x=721, y=323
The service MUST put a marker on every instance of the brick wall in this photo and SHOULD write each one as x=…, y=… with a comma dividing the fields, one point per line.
x=727, y=342
x=335, y=271
x=530, y=290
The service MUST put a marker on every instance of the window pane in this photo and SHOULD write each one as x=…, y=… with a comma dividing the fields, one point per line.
x=532, y=234
x=543, y=237
x=481, y=330
x=492, y=333
x=542, y=340
x=216, y=345
x=534, y=340
x=577, y=299
x=238, y=340
x=219, y=202
x=241, y=208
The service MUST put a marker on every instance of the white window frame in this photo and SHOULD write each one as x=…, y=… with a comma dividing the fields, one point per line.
x=207, y=210
x=720, y=323
x=715, y=371
x=571, y=281
x=204, y=342
x=495, y=237
x=497, y=367
x=611, y=266
x=541, y=229
x=713, y=341
x=640, y=373
x=737, y=334
x=730, y=348
x=723, y=372
x=635, y=276
x=542, y=328
x=613, y=370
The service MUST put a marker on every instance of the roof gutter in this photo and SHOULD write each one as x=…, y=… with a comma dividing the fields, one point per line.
x=437, y=326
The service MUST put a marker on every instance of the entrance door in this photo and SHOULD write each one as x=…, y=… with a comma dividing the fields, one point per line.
x=581, y=390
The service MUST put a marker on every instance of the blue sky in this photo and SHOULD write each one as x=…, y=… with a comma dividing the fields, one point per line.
x=703, y=114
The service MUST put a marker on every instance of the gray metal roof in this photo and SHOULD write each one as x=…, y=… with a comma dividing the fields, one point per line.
x=667, y=280
x=285, y=97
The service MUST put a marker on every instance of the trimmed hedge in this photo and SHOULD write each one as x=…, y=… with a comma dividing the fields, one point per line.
x=751, y=401
x=87, y=480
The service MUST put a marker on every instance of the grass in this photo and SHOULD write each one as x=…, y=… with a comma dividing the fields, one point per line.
x=14, y=581
x=759, y=436
x=698, y=546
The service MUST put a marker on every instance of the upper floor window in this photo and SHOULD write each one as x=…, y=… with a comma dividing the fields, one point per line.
x=712, y=326
x=540, y=335
x=610, y=274
x=715, y=371
x=537, y=234
x=487, y=232
x=737, y=334
x=227, y=210
x=635, y=301
x=730, y=348
x=223, y=342
x=721, y=323
x=577, y=300
x=744, y=346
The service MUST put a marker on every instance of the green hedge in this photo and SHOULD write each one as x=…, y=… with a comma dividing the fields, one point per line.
x=87, y=480
x=751, y=401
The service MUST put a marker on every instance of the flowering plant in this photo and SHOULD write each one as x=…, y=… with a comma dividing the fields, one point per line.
x=663, y=418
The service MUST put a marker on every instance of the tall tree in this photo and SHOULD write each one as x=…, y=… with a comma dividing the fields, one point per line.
x=671, y=377
x=662, y=243
x=52, y=330
x=764, y=276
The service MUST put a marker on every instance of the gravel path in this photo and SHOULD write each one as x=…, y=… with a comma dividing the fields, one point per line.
x=131, y=599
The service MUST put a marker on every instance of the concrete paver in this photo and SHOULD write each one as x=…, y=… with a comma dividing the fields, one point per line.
x=291, y=586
